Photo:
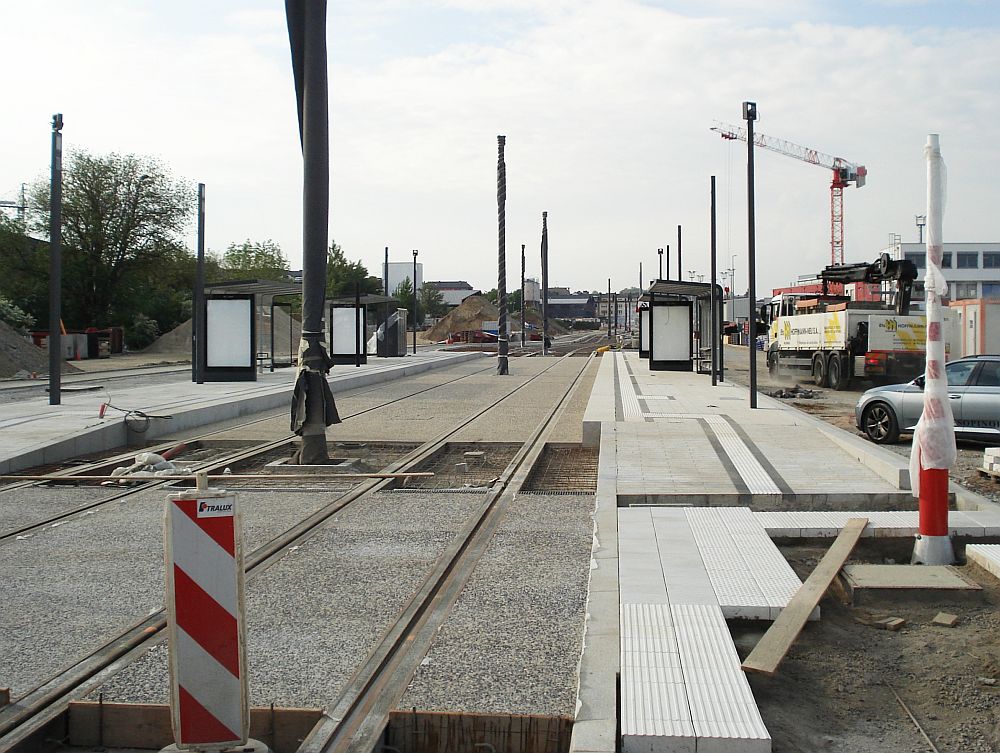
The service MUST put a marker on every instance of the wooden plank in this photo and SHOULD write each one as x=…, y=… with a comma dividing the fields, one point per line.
x=771, y=649
x=147, y=726
x=4, y=697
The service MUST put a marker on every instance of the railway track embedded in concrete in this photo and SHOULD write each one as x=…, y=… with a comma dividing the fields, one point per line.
x=28, y=718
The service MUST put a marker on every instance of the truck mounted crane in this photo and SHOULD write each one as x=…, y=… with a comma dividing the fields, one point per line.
x=844, y=174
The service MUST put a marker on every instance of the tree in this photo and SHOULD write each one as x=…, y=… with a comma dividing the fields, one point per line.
x=432, y=302
x=25, y=265
x=342, y=275
x=404, y=294
x=250, y=260
x=119, y=213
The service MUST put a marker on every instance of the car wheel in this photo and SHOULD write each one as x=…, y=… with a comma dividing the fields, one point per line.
x=819, y=370
x=879, y=424
x=837, y=374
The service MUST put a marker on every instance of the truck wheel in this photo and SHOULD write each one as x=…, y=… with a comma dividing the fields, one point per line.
x=819, y=370
x=837, y=374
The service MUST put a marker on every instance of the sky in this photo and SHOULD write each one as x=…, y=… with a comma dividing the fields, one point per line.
x=606, y=106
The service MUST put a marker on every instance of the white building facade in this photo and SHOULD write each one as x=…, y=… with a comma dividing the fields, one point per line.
x=971, y=269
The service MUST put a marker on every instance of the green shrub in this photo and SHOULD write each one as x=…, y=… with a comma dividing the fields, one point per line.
x=15, y=316
x=141, y=332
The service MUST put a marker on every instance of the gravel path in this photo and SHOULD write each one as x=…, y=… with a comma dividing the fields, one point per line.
x=513, y=640
x=314, y=616
x=68, y=589
x=33, y=504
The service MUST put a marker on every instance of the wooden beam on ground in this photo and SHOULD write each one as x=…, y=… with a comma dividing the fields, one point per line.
x=771, y=649
x=4, y=697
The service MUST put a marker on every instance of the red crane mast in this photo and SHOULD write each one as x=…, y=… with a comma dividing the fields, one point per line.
x=844, y=174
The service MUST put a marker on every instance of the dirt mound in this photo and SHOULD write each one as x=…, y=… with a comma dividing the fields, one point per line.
x=535, y=318
x=466, y=317
x=177, y=342
x=19, y=357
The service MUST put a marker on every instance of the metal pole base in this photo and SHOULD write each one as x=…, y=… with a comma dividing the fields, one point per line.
x=251, y=746
x=933, y=550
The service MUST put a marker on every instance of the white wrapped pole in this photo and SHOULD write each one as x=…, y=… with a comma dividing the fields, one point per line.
x=934, y=450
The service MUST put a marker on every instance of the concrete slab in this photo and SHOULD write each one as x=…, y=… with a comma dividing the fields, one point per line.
x=987, y=556
x=907, y=577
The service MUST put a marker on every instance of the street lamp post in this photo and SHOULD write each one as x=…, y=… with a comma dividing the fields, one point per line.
x=921, y=220
x=750, y=115
x=522, y=295
x=414, y=301
x=55, y=264
x=660, y=252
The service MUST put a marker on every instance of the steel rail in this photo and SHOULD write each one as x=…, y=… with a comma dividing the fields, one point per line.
x=31, y=713
x=355, y=721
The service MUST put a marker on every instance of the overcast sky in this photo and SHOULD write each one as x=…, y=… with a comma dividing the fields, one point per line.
x=606, y=105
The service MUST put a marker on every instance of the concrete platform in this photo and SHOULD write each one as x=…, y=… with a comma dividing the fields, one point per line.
x=682, y=462
x=32, y=432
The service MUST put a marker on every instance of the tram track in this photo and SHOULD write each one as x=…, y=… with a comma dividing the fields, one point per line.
x=215, y=465
x=29, y=715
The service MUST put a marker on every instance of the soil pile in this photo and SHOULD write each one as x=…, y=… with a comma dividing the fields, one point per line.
x=535, y=318
x=466, y=317
x=20, y=358
x=177, y=342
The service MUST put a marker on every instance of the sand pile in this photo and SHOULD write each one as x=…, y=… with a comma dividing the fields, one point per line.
x=534, y=317
x=177, y=342
x=466, y=317
x=20, y=358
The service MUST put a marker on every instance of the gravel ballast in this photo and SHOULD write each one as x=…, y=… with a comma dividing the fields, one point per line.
x=513, y=640
x=314, y=616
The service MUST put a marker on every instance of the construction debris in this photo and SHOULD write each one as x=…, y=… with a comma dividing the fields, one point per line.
x=946, y=619
x=890, y=623
x=150, y=465
x=798, y=392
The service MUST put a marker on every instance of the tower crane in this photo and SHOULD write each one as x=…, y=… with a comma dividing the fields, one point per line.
x=844, y=174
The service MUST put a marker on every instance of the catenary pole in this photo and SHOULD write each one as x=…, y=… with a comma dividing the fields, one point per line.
x=502, y=344
x=933, y=451
x=313, y=406
x=545, y=284
x=522, y=295
x=55, y=265
x=199, y=295
x=680, y=263
x=415, y=252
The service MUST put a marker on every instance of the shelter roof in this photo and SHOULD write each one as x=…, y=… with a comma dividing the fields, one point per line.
x=259, y=287
x=682, y=288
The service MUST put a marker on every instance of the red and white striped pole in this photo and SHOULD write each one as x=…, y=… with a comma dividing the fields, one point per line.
x=206, y=630
x=934, y=450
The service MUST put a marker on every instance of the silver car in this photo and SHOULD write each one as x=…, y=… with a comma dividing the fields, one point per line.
x=883, y=413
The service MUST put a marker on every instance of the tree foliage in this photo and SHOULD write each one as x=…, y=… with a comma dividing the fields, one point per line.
x=250, y=260
x=342, y=275
x=404, y=294
x=432, y=302
x=121, y=215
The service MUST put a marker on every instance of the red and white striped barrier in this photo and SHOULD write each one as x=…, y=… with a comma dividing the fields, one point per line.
x=206, y=629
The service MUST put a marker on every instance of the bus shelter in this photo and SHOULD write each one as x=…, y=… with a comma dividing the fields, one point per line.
x=680, y=331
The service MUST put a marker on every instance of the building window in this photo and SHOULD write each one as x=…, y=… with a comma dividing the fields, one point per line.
x=991, y=290
x=965, y=290
x=968, y=260
x=917, y=259
x=946, y=260
x=991, y=260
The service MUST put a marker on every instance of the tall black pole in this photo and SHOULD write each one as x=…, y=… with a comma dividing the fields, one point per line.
x=415, y=301
x=545, y=284
x=199, y=296
x=609, y=308
x=502, y=344
x=522, y=295
x=680, y=264
x=55, y=265
x=667, y=256
x=660, y=275
x=358, y=319
x=313, y=406
x=750, y=115
x=714, y=300
x=385, y=290
x=640, y=278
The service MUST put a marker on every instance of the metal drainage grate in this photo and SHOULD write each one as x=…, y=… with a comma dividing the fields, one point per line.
x=461, y=467
x=563, y=470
